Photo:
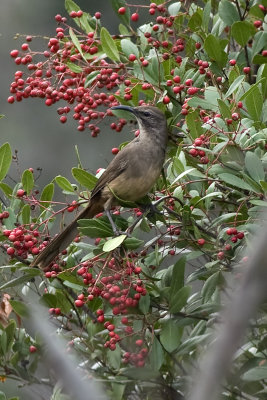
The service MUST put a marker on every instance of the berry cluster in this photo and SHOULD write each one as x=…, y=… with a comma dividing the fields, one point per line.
x=63, y=76
x=202, y=141
x=24, y=241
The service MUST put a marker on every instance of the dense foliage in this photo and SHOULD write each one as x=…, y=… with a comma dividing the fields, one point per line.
x=129, y=306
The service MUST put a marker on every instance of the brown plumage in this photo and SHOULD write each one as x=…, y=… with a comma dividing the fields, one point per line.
x=130, y=175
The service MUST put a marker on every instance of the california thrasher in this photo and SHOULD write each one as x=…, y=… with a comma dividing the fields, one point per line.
x=130, y=176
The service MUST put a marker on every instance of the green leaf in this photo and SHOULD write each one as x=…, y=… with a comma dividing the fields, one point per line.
x=27, y=181
x=228, y=12
x=76, y=42
x=174, y=8
x=64, y=184
x=242, y=31
x=212, y=46
x=255, y=374
x=235, y=85
x=194, y=125
x=114, y=358
x=26, y=214
x=224, y=109
x=47, y=195
x=210, y=286
x=170, y=335
x=70, y=5
x=2, y=396
x=144, y=304
x=116, y=4
x=254, y=103
x=19, y=308
x=254, y=167
x=90, y=78
x=177, y=281
x=128, y=47
x=5, y=159
x=18, y=281
x=259, y=42
x=133, y=243
x=84, y=178
x=190, y=344
x=6, y=189
x=74, y=67
x=198, y=102
x=179, y=299
x=235, y=181
x=10, y=333
x=108, y=45
x=113, y=243
x=206, y=16
x=156, y=355
x=95, y=228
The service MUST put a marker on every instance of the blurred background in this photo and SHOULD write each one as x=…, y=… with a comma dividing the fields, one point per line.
x=32, y=128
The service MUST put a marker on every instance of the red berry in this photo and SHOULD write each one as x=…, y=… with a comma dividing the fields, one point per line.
x=78, y=303
x=264, y=53
x=232, y=62
x=73, y=14
x=10, y=99
x=246, y=70
x=193, y=152
x=24, y=46
x=240, y=104
x=139, y=342
x=257, y=24
x=20, y=193
x=79, y=13
x=192, y=90
x=220, y=255
x=176, y=79
x=14, y=53
x=32, y=349
x=189, y=82
x=98, y=15
x=201, y=241
x=10, y=251
x=115, y=150
x=122, y=10
x=198, y=45
x=166, y=100
x=132, y=57
x=240, y=235
x=235, y=116
x=134, y=17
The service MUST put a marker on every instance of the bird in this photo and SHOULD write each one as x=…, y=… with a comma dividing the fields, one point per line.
x=129, y=176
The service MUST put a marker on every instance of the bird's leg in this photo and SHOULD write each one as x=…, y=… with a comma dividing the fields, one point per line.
x=115, y=229
x=150, y=209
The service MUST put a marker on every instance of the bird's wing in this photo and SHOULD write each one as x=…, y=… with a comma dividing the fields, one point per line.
x=115, y=168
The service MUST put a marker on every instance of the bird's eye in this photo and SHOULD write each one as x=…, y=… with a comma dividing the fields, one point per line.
x=147, y=114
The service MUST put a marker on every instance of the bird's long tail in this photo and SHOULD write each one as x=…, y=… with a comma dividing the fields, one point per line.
x=63, y=239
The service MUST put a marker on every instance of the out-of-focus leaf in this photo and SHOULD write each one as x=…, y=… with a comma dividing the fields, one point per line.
x=255, y=374
x=19, y=308
x=254, y=166
x=5, y=159
x=26, y=214
x=179, y=299
x=170, y=335
x=156, y=355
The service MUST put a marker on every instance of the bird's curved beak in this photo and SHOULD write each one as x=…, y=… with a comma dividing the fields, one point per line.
x=124, y=108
